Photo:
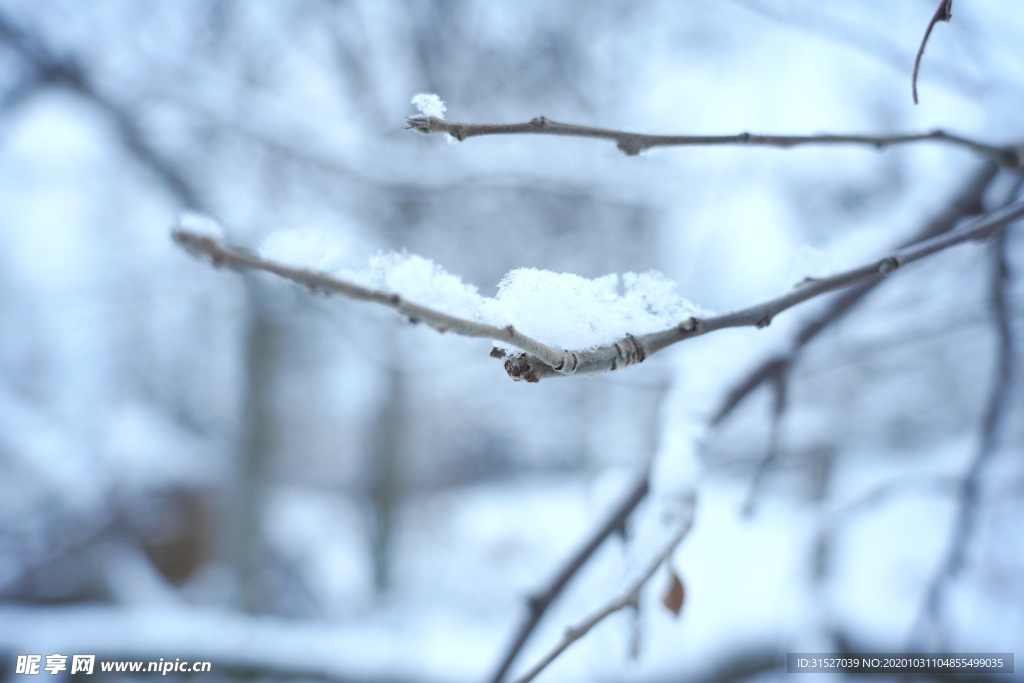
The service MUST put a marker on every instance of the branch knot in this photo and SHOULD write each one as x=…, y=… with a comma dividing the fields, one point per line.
x=888, y=265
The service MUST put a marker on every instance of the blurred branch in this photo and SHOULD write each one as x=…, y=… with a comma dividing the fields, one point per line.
x=634, y=143
x=998, y=401
x=543, y=361
x=943, y=13
x=966, y=203
x=53, y=70
x=629, y=598
x=538, y=604
x=779, y=384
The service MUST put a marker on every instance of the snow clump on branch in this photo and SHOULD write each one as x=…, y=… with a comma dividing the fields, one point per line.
x=559, y=309
x=429, y=104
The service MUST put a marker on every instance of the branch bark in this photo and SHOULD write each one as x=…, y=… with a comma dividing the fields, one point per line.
x=634, y=143
x=943, y=13
x=630, y=597
x=540, y=603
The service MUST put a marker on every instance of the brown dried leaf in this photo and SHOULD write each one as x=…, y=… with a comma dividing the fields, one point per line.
x=675, y=595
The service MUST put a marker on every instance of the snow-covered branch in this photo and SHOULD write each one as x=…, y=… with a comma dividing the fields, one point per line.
x=540, y=360
x=635, y=349
x=234, y=257
x=631, y=596
x=634, y=143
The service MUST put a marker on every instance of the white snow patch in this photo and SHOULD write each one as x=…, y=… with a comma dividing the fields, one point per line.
x=314, y=249
x=560, y=309
x=429, y=104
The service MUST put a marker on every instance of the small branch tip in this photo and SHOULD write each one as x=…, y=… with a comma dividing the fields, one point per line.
x=419, y=123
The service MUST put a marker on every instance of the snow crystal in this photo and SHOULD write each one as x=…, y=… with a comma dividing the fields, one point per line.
x=201, y=224
x=429, y=104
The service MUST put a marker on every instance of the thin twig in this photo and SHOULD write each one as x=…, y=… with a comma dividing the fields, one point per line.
x=540, y=360
x=538, y=604
x=943, y=13
x=966, y=203
x=634, y=143
x=630, y=597
x=635, y=349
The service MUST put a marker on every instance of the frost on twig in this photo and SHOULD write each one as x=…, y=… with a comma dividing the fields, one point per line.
x=540, y=360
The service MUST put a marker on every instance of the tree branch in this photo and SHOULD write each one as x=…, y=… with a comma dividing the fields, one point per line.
x=630, y=597
x=966, y=203
x=540, y=360
x=239, y=259
x=943, y=13
x=634, y=143
x=635, y=349
x=1001, y=287
x=540, y=603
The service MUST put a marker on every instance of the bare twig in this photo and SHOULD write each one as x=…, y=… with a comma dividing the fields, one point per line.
x=630, y=597
x=540, y=360
x=943, y=13
x=635, y=349
x=966, y=203
x=538, y=604
x=634, y=143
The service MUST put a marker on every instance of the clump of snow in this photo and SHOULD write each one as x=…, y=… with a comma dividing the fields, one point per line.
x=574, y=312
x=429, y=104
x=422, y=281
x=314, y=249
x=559, y=309
x=201, y=224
